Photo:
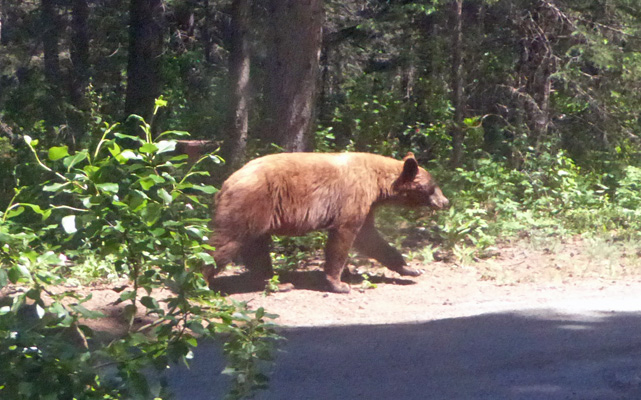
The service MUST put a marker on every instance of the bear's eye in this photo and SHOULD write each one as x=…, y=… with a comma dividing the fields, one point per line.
x=430, y=190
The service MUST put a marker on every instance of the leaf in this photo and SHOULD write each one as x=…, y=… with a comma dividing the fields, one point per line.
x=36, y=208
x=148, y=148
x=194, y=199
x=127, y=295
x=205, y=257
x=197, y=232
x=54, y=187
x=70, y=161
x=114, y=149
x=179, y=157
x=160, y=102
x=156, y=178
x=151, y=213
x=58, y=152
x=177, y=350
x=149, y=302
x=216, y=159
x=90, y=169
x=4, y=279
x=49, y=257
x=197, y=328
x=166, y=197
x=108, y=187
x=208, y=189
x=40, y=312
x=174, y=133
x=149, y=181
x=166, y=146
x=69, y=224
x=136, y=199
x=86, y=313
x=146, y=183
x=14, y=212
x=158, y=232
x=130, y=155
x=471, y=122
x=14, y=274
x=130, y=137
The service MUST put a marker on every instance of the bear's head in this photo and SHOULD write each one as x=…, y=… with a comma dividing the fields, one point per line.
x=415, y=187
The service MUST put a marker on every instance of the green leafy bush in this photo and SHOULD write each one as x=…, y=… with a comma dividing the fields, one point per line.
x=136, y=205
x=550, y=194
x=8, y=162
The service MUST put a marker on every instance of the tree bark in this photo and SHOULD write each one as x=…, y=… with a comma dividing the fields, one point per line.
x=3, y=21
x=293, y=63
x=50, y=33
x=79, y=50
x=535, y=71
x=145, y=48
x=458, y=134
x=233, y=149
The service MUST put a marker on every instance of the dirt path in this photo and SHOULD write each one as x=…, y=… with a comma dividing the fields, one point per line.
x=520, y=277
x=552, y=322
x=544, y=319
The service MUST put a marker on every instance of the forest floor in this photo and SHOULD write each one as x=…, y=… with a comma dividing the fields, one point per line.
x=541, y=319
x=525, y=274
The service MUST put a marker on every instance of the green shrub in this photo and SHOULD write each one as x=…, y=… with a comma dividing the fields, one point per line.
x=549, y=194
x=134, y=205
x=7, y=164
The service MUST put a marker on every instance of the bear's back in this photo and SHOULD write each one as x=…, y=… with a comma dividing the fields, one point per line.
x=293, y=193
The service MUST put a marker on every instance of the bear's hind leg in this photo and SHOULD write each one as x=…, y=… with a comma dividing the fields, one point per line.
x=255, y=256
x=339, y=241
x=224, y=254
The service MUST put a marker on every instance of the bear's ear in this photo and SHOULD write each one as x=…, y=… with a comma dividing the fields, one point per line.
x=410, y=168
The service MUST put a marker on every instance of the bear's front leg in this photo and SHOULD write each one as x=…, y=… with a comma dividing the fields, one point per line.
x=339, y=241
x=371, y=244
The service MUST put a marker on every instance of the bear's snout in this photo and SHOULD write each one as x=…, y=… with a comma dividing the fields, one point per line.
x=438, y=200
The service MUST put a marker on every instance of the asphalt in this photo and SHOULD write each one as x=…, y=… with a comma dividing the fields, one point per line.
x=585, y=351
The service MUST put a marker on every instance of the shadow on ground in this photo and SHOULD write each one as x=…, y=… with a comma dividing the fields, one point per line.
x=539, y=354
x=302, y=280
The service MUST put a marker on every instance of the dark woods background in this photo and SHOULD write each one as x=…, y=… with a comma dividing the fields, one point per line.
x=513, y=81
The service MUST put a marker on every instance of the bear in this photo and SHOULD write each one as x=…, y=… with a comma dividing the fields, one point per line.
x=295, y=193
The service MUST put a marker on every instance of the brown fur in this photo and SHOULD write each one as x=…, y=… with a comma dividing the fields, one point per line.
x=295, y=193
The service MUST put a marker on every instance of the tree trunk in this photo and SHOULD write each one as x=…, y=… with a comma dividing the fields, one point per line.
x=458, y=134
x=535, y=71
x=207, y=31
x=239, y=64
x=79, y=50
x=325, y=86
x=3, y=21
x=79, y=64
x=290, y=91
x=145, y=48
x=50, y=32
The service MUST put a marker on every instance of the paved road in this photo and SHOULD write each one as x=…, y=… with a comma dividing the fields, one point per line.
x=571, y=352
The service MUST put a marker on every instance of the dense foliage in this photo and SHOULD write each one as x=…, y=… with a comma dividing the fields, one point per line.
x=138, y=208
x=527, y=112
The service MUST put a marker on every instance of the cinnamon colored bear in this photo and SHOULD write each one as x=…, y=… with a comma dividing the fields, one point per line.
x=296, y=193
